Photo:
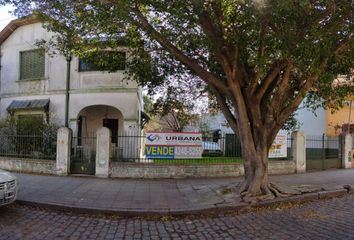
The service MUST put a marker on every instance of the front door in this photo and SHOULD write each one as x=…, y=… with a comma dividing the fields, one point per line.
x=112, y=124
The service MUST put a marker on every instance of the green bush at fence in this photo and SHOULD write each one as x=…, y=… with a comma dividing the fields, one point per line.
x=28, y=137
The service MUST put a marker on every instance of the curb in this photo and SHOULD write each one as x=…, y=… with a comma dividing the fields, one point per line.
x=240, y=208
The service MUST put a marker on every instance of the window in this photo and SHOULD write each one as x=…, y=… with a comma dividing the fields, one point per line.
x=32, y=64
x=103, y=61
x=30, y=123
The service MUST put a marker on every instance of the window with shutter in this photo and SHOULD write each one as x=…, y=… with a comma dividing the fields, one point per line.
x=32, y=64
x=103, y=61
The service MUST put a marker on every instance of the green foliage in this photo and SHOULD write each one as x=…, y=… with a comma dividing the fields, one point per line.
x=27, y=137
x=169, y=112
x=27, y=126
x=148, y=104
x=185, y=41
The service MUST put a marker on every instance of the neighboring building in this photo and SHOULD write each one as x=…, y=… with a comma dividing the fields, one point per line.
x=337, y=121
x=214, y=122
x=33, y=84
x=311, y=123
x=321, y=121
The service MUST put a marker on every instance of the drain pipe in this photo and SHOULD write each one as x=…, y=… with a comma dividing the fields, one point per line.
x=67, y=89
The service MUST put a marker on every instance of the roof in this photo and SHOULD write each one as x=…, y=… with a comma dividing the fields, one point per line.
x=14, y=24
x=42, y=104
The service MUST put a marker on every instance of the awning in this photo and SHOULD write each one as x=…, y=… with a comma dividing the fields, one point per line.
x=36, y=104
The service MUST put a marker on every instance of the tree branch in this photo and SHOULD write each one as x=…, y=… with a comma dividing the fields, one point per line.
x=231, y=119
x=208, y=77
x=266, y=83
x=226, y=55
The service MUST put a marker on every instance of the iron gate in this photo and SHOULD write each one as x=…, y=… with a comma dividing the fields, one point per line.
x=83, y=155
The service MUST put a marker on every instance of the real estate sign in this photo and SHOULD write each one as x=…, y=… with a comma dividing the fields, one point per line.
x=279, y=147
x=173, y=145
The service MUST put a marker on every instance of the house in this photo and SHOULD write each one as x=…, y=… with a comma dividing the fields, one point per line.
x=339, y=121
x=33, y=85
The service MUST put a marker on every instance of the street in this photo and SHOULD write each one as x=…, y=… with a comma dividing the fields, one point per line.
x=326, y=219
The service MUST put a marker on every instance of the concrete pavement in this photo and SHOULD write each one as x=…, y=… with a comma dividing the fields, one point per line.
x=163, y=196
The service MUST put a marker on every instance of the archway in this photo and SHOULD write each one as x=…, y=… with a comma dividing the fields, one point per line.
x=89, y=120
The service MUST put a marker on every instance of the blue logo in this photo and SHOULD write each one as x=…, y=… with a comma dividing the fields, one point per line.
x=153, y=138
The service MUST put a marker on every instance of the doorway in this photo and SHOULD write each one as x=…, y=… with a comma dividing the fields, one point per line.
x=112, y=125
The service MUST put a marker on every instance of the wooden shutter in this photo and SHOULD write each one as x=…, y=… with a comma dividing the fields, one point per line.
x=32, y=64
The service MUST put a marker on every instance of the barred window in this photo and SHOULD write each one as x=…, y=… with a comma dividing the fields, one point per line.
x=103, y=61
x=32, y=64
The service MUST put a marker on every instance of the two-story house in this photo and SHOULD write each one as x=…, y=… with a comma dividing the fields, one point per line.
x=33, y=84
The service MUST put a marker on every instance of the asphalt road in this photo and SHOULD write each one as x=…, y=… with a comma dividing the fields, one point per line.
x=327, y=219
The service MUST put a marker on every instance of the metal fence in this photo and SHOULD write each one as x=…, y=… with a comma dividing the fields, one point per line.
x=225, y=149
x=83, y=154
x=322, y=152
x=36, y=146
x=322, y=147
x=128, y=148
x=232, y=147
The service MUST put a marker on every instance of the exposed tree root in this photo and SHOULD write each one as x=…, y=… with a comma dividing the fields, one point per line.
x=266, y=192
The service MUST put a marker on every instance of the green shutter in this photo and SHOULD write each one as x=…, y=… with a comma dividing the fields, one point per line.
x=32, y=64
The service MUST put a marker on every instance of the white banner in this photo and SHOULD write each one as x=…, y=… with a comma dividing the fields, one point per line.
x=279, y=147
x=174, y=139
x=172, y=145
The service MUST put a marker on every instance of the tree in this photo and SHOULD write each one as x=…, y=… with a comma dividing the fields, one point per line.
x=258, y=58
x=169, y=113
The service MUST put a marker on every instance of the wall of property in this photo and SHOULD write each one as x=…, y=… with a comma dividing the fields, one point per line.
x=125, y=170
x=28, y=165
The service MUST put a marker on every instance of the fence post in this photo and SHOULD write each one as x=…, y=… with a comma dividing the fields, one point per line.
x=103, y=152
x=347, y=150
x=63, y=151
x=299, y=151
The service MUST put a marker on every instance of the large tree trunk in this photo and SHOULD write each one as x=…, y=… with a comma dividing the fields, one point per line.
x=256, y=185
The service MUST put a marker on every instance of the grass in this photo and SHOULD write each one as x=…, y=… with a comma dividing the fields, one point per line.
x=203, y=160
x=207, y=160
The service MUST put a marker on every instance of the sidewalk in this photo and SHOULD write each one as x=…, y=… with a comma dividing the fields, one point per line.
x=163, y=196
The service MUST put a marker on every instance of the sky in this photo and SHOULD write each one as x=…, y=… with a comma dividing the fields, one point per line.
x=5, y=16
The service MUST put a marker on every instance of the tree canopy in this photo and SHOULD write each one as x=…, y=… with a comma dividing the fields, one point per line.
x=258, y=58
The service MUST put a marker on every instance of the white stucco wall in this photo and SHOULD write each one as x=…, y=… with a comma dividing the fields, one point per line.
x=86, y=89
x=312, y=123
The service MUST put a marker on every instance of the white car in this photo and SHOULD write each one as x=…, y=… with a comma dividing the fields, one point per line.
x=211, y=149
x=8, y=188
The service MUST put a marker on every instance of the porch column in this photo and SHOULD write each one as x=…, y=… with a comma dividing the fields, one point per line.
x=299, y=151
x=103, y=152
x=347, y=155
x=63, y=151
